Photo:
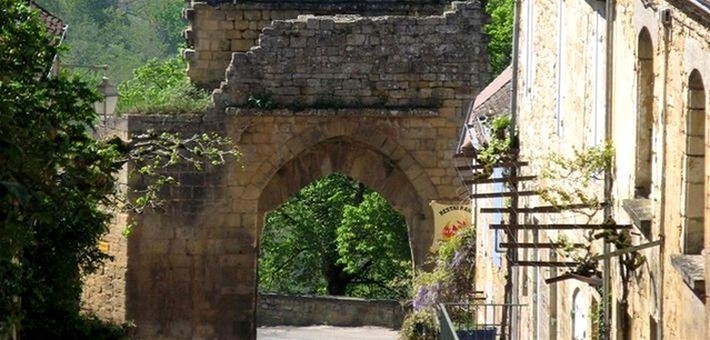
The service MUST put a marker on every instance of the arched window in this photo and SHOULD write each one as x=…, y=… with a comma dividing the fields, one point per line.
x=694, y=179
x=644, y=115
x=580, y=323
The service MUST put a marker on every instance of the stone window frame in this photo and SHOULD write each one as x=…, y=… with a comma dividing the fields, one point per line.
x=645, y=85
x=694, y=191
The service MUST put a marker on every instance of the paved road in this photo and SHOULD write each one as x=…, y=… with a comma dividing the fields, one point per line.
x=325, y=333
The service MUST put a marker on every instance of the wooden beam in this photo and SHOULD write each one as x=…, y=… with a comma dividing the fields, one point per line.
x=544, y=264
x=504, y=194
x=558, y=226
x=499, y=180
x=628, y=250
x=594, y=281
x=538, y=245
x=541, y=209
x=465, y=154
x=497, y=165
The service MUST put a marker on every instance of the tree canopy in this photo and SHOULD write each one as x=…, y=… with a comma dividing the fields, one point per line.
x=337, y=237
x=57, y=185
x=500, y=33
x=122, y=34
x=54, y=178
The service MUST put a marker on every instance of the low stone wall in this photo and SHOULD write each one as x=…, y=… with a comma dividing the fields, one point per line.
x=276, y=309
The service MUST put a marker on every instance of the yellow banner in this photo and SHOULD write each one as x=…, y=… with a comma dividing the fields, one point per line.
x=448, y=219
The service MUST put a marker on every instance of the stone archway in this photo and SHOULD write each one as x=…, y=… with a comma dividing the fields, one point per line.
x=406, y=158
x=379, y=100
x=362, y=163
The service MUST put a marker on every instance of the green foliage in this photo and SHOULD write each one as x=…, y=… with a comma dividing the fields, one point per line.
x=57, y=189
x=367, y=233
x=153, y=154
x=500, y=33
x=54, y=179
x=161, y=87
x=569, y=179
x=122, y=34
x=420, y=325
x=499, y=144
x=335, y=237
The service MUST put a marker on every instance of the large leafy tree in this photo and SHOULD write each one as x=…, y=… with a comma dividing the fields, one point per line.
x=122, y=34
x=336, y=237
x=57, y=187
x=54, y=179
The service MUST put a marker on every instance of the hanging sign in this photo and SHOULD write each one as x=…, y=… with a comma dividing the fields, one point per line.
x=448, y=219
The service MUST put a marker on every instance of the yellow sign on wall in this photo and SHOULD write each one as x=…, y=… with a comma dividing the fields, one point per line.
x=103, y=246
x=448, y=219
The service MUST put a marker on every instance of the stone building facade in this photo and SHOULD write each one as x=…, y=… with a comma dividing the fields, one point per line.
x=335, y=104
x=633, y=72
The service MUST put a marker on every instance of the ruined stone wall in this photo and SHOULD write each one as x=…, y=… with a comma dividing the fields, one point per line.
x=219, y=28
x=363, y=62
x=104, y=292
x=190, y=267
x=278, y=310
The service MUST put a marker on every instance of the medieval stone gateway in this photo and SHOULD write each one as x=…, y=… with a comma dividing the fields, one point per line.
x=377, y=98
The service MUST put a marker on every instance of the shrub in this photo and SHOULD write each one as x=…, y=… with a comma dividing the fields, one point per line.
x=161, y=86
x=420, y=325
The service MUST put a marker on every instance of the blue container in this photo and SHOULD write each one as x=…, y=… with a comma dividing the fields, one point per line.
x=477, y=334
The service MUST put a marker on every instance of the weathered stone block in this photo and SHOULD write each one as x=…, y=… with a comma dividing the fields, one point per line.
x=252, y=15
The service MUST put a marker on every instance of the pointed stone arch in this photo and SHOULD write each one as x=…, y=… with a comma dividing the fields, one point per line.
x=361, y=153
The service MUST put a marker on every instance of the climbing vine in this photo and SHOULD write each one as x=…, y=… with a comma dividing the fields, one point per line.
x=569, y=182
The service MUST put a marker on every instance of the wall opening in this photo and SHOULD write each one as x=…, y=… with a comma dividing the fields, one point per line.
x=580, y=322
x=694, y=179
x=337, y=237
x=644, y=115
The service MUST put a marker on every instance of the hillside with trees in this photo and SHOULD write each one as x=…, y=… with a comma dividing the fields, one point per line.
x=123, y=34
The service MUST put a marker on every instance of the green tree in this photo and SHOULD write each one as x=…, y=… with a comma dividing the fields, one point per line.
x=53, y=180
x=336, y=237
x=57, y=189
x=121, y=34
x=500, y=33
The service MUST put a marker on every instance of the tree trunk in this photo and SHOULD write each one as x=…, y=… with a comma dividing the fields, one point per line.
x=337, y=279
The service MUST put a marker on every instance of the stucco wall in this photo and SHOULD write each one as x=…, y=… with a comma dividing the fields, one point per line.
x=558, y=102
x=560, y=109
